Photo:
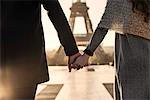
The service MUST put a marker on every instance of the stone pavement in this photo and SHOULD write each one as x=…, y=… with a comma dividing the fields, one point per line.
x=78, y=85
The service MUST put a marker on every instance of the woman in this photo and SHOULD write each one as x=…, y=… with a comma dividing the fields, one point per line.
x=131, y=22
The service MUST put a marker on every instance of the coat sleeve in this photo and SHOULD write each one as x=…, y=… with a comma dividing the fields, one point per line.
x=61, y=25
x=96, y=39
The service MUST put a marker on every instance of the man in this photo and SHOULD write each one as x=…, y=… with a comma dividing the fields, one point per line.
x=23, y=59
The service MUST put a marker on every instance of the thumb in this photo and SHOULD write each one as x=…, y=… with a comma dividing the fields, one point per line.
x=69, y=67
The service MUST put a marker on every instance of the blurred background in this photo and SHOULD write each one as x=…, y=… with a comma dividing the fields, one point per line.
x=103, y=55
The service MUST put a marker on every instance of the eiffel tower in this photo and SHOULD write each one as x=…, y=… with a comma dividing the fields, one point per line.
x=80, y=9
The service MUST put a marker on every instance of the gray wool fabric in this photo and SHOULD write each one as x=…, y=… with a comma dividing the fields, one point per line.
x=116, y=15
x=119, y=16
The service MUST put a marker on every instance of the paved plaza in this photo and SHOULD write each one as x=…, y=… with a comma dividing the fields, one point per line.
x=78, y=85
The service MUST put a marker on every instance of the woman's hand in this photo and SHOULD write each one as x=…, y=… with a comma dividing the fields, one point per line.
x=81, y=61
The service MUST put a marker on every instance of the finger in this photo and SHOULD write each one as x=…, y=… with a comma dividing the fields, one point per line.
x=86, y=65
x=79, y=67
x=69, y=67
x=73, y=66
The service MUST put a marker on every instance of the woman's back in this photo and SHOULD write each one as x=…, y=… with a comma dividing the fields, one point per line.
x=120, y=17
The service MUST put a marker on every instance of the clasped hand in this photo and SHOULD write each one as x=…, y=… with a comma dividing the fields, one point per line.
x=77, y=61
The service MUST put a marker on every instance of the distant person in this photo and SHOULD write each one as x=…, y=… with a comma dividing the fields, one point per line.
x=130, y=19
x=23, y=59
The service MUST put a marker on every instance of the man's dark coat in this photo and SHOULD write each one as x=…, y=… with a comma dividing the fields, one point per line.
x=23, y=59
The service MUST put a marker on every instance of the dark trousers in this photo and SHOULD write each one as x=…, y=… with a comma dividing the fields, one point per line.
x=132, y=68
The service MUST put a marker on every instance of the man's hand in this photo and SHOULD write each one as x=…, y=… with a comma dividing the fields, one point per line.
x=71, y=60
x=81, y=61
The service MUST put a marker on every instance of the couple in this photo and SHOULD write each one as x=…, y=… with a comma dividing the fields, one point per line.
x=23, y=63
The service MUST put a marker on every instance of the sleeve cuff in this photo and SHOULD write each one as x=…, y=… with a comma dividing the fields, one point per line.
x=72, y=52
x=88, y=52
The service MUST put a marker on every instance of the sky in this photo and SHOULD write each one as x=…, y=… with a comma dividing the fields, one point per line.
x=96, y=9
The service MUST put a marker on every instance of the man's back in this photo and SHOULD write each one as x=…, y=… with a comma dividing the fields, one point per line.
x=23, y=63
x=22, y=39
x=22, y=42
x=21, y=25
x=20, y=19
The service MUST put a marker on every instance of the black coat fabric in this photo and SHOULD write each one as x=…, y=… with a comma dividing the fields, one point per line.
x=23, y=59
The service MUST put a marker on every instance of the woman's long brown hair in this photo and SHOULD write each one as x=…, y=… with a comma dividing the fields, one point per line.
x=143, y=6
